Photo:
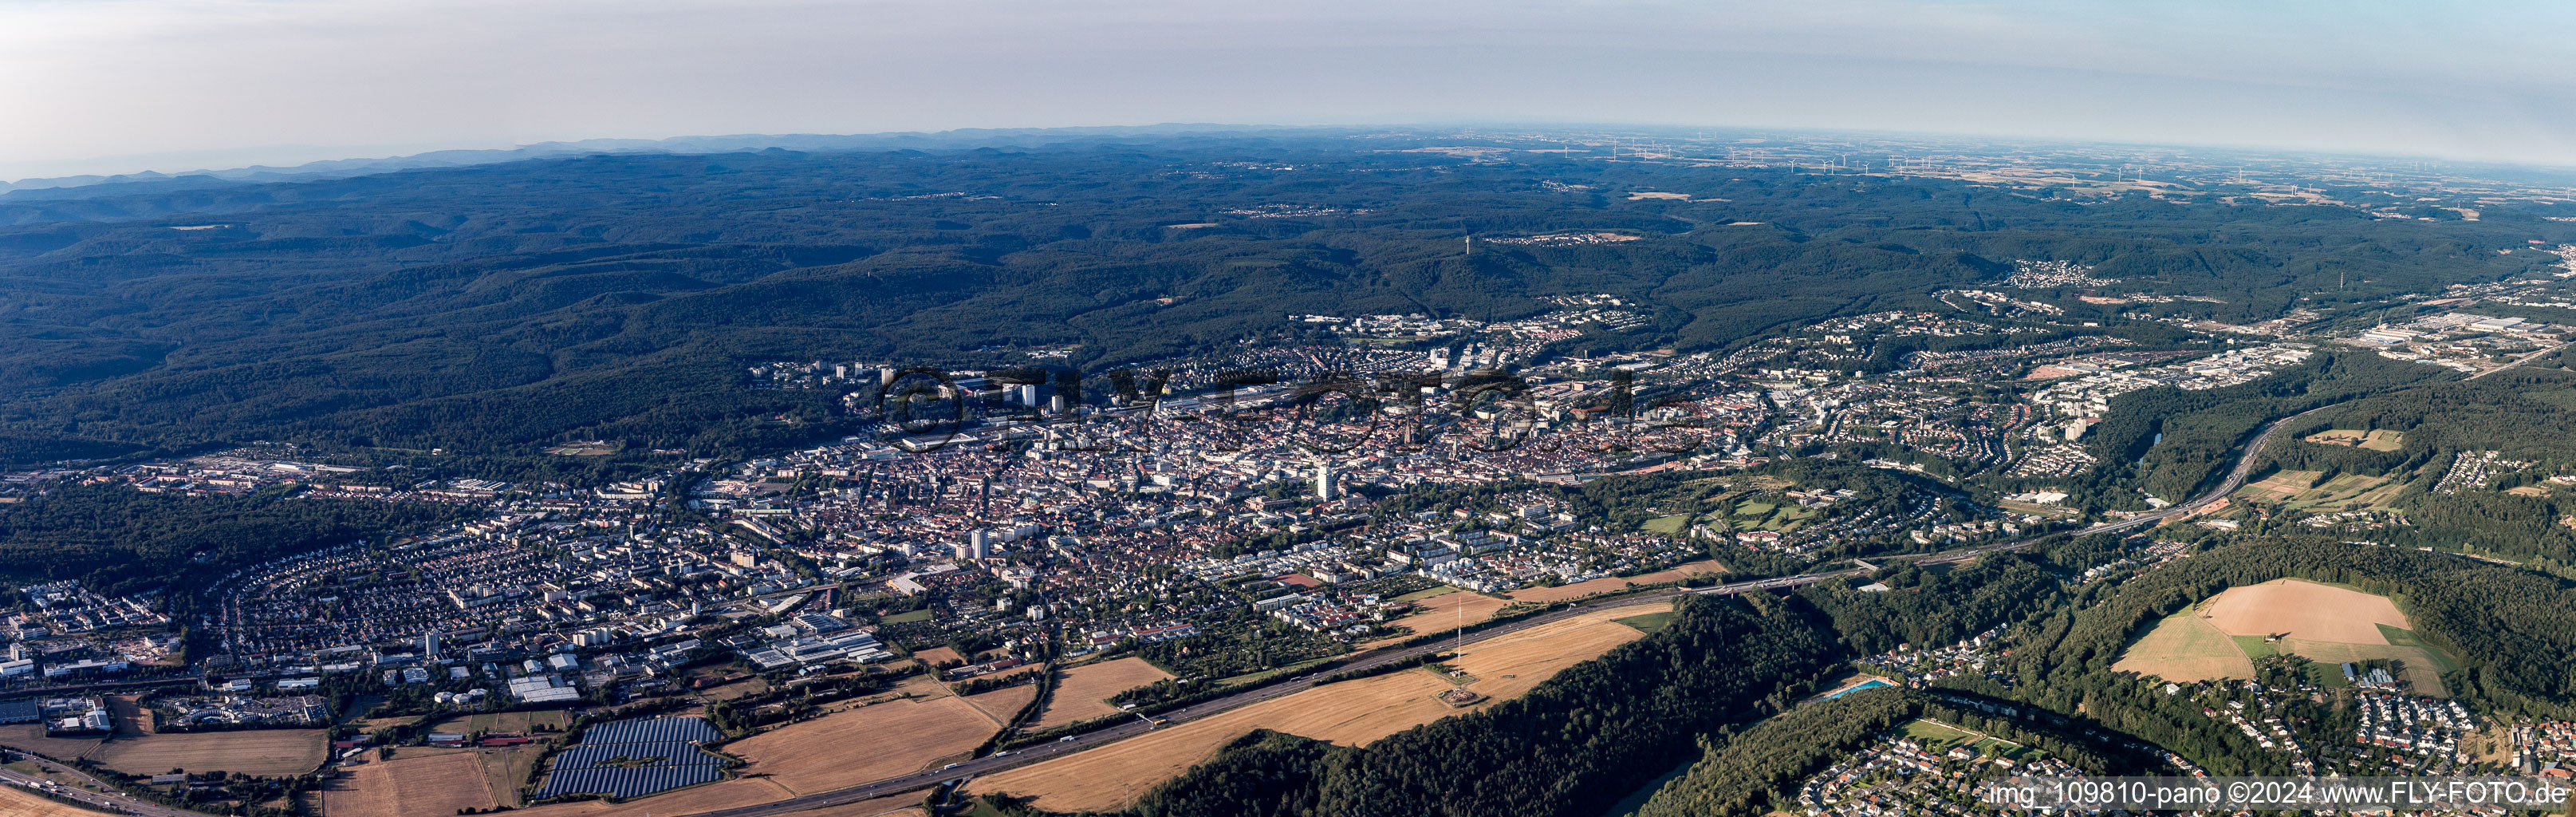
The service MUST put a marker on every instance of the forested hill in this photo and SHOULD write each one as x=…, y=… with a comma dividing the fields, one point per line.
x=497, y=307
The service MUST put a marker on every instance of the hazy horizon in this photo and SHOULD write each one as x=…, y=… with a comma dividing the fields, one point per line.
x=125, y=86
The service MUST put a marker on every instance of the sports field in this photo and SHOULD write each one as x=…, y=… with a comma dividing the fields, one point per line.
x=1350, y=713
x=1083, y=692
x=1938, y=737
x=2324, y=623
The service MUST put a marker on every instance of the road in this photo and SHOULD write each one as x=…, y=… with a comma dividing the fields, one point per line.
x=114, y=803
x=995, y=763
x=2523, y=359
x=2245, y=463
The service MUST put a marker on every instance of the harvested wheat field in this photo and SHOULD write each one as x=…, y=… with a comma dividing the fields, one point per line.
x=2307, y=610
x=2186, y=647
x=1083, y=693
x=429, y=784
x=1443, y=613
x=864, y=744
x=1567, y=592
x=692, y=800
x=18, y=802
x=2316, y=621
x=907, y=804
x=1350, y=713
x=1001, y=704
x=31, y=737
x=260, y=752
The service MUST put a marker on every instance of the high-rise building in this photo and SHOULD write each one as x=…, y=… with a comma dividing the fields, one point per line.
x=429, y=646
x=1324, y=487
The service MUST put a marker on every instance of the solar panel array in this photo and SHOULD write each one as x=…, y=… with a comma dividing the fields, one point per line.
x=651, y=730
x=635, y=758
x=627, y=783
x=615, y=755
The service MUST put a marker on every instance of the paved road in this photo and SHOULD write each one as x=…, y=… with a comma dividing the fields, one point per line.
x=114, y=803
x=2245, y=462
x=2523, y=359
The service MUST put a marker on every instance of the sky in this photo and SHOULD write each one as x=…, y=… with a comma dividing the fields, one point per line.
x=111, y=86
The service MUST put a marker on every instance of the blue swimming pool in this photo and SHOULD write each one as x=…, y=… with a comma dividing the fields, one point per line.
x=1869, y=684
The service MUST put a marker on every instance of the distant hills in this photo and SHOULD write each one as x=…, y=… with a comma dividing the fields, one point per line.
x=154, y=181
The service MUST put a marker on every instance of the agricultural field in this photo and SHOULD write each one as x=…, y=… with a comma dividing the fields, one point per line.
x=519, y=723
x=1001, y=704
x=1567, y=592
x=503, y=769
x=1443, y=612
x=2375, y=440
x=260, y=752
x=2218, y=637
x=899, y=737
x=1353, y=713
x=2186, y=647
x=710, y=797
x=17, y=802
x=414, y=783
x=907, y=804
x=1083, y=692
x=2305, y=610
x=31, y=737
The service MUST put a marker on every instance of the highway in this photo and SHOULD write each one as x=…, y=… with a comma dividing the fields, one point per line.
x=114, y=803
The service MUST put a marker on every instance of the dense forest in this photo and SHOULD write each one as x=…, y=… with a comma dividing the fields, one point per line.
x=495, y=308
x=1936, y=606
x=2173, y=443
x=2494, y=618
